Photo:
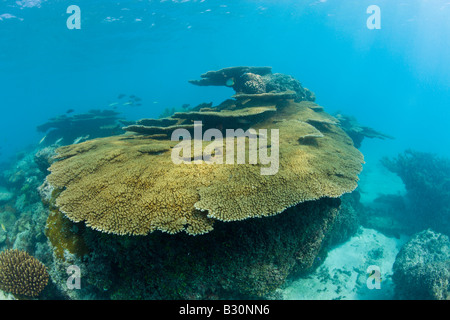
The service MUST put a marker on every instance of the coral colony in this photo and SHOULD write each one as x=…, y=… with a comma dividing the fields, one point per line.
x=213, y=153
x=109, y=184
x=155, y=199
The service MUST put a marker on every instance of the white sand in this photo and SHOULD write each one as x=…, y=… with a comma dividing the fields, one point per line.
x=343, y=274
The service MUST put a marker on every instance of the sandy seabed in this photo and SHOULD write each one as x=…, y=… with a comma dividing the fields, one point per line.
x=343, y=274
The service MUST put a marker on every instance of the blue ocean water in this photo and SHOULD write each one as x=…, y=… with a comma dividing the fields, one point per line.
x=395, y=79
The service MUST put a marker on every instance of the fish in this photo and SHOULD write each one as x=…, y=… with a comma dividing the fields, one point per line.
x=230, y=82
x=42, y=140
x=137, y=99
x=3, y=227
x=185, y=106
x=77, y=140
x=128, y=103
x=120, y=96
x=113, y=104
x=70, y=111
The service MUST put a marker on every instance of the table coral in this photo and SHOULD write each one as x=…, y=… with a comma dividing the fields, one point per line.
x=117, y=187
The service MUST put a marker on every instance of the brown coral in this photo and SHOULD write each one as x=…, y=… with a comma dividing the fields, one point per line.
x=21, y=273
x=120, y=185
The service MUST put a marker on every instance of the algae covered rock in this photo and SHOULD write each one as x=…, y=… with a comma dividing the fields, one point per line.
x=125, y=207
x=115, y=187
x=427, y=181
x=422, y=267
x=245, y=259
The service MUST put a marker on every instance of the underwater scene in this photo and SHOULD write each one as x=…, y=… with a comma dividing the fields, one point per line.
x=239, y=150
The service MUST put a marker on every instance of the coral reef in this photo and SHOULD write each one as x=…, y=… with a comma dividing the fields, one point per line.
x=256, y=81
x=22, y=274
x=245, y=259
x=128, y=188
x=422, y=267
x=348, y=220
x=253, y=83
x=427, y=180
x=129, y=184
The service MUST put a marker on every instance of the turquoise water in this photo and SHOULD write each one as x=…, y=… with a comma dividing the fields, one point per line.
x=136, y=57
x=394, y=79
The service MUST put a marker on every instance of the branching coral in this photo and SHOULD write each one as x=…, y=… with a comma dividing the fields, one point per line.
x=21, y=273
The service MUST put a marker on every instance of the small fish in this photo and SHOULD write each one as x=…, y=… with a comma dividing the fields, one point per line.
x=42, y=140
x=185, y=106
x=128, y=103
x=70, y=111
x=3, y=227
x=138, y=104
x=113, y=104
x=77, y=140
x=132, y=96
x=137, y=99
x=120, y=96
x=230, y=82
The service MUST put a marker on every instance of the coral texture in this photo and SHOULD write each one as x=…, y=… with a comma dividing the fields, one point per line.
x=422, y=267
x=116, y=187
x=21, y=273
x=427, y=181
x=129, y=184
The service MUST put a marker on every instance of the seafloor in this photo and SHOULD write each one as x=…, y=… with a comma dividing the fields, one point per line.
x=93, y=220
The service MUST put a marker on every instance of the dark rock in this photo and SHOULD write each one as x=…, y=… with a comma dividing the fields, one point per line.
x=422, y=267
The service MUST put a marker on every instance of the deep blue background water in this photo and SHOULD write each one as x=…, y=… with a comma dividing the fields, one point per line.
x=395, y=79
